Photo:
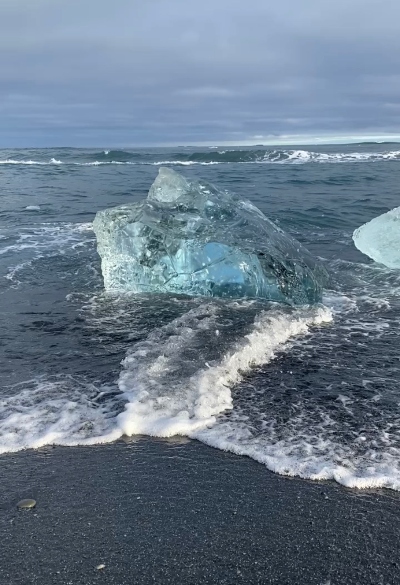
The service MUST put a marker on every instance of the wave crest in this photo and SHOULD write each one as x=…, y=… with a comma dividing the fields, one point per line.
x=214, y=157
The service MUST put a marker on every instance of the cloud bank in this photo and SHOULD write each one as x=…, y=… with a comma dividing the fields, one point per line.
x=86, y=72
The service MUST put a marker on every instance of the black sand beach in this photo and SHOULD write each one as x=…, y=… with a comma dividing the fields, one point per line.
x=177, y=511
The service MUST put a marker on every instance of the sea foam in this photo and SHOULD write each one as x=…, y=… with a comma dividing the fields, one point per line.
x=157, y=407
x=165, y=390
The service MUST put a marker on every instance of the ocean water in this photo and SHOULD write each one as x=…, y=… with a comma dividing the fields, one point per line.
x=308, y=391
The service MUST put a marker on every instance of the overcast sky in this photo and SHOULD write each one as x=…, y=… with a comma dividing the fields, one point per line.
x=143, y=72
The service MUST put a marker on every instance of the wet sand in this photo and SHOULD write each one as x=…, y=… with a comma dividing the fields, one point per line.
x=154, y=511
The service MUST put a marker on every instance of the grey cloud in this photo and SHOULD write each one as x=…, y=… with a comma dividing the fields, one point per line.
x=92, y=72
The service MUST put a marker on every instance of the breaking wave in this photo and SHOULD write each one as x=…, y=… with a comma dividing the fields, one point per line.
x=214, y=157
x=11, y=161
x=171, y=382
x=290, y=156
x=200, y=394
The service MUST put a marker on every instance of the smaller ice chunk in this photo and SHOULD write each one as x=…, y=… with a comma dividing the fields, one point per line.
x=380, y=238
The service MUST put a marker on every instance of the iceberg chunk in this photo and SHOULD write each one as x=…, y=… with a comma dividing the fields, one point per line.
x=380, y=238
x=190, y=238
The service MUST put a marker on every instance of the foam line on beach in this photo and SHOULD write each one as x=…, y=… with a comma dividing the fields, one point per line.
x=192, y=404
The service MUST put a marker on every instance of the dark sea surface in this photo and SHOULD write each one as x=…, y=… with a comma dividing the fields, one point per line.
x=314, y=391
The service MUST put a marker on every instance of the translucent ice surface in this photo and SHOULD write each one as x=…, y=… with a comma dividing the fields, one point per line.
x=380, y=238
x=189, y=237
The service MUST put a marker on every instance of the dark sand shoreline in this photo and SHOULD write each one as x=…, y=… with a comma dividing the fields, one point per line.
x=177, y=511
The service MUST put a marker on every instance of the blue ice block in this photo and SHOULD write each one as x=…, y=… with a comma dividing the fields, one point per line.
x=189, y=237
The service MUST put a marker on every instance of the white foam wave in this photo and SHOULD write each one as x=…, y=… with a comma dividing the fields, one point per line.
x=163, y=401
x=308, y=455
x=97, y=163
x=155, y=408
x=186, y=163
x=42, y=412
x=11, y=161
x=281, y=157
x=305, y=156
x=167, y=391
x=54, y=161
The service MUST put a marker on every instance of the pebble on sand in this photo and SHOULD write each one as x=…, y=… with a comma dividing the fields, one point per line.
x=26, y=504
